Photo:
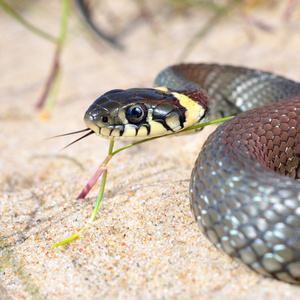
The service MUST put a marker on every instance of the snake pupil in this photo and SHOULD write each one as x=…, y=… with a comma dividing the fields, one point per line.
x=134, y=114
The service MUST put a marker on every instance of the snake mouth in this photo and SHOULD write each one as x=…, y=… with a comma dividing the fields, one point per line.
x=91, y=124
x=121, y=132
x=105, y=131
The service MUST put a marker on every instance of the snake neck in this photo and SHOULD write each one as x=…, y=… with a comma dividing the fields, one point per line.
x=199, y=96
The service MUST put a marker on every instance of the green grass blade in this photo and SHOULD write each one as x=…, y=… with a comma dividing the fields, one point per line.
x=26, y=24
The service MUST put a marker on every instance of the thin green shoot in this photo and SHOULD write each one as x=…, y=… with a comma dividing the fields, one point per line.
x=172, y=134
x=54, y=90
x=219, y=14
x=25, y=23
x=59, y=156
x=103, y=170
x=92, y=218
x=50, y=92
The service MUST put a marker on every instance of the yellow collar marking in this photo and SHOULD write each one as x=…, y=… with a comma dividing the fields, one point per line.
x=194, y=110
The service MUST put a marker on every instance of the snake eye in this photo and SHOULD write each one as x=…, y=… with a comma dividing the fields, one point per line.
x=135, y=114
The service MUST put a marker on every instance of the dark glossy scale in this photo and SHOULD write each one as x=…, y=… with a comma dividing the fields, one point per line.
x=111, y=102
x=110, y=109
x=230, y=89
x=239, y=198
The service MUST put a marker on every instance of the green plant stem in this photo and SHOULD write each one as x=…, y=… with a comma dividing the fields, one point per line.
x=59, y=156
x=220, y=12
x=92, y=218
x=98, y=173
x=64, y=22
x=50, y=92
x=103, y=170
x=54, y=88
x=172, y=134
x=100, y=195
x=29, y=26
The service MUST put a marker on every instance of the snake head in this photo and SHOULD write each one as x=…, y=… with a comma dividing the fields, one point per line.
x=140, y=113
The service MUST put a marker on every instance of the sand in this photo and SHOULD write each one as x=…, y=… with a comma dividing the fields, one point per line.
x=144, y=243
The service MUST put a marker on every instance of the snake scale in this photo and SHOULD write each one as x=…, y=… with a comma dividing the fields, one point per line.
x=238, y=195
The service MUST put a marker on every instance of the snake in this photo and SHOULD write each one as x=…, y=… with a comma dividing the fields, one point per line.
x=244, y=187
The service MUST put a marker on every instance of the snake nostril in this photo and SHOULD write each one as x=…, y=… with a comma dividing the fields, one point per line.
x=104, y=119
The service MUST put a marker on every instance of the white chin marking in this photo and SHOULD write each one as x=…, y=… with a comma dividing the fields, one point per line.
x=105, y=132
x=142, y=132
x=115, y=133
x=129, y=132
x=157, y=129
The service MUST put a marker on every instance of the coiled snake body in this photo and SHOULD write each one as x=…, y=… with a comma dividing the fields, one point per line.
x=239, y=197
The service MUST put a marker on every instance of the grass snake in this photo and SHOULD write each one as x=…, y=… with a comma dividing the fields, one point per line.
x=244, y=187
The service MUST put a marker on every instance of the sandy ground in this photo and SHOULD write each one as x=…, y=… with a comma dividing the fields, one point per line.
x=143, y=243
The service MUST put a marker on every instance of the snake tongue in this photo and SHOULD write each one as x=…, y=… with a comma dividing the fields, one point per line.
x=82, y=137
